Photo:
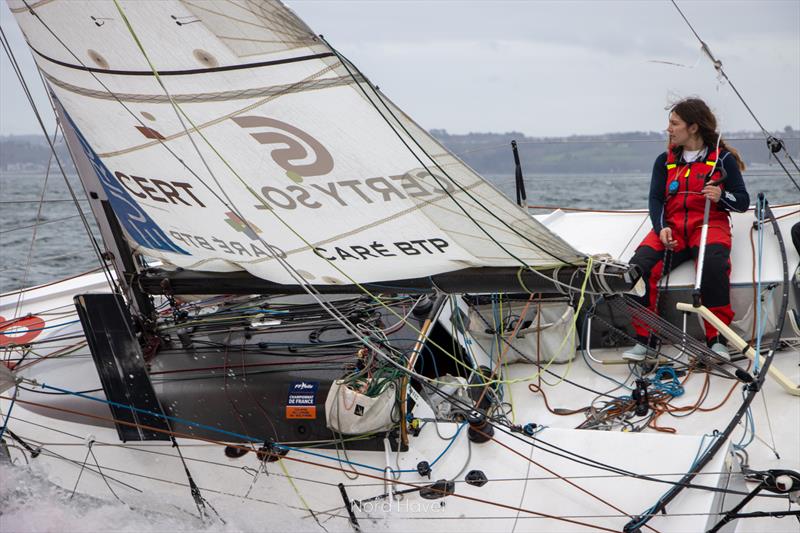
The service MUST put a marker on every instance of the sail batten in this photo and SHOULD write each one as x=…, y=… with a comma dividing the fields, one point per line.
x=238, y=152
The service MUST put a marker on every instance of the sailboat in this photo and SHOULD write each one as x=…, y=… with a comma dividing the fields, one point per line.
x=309, y=308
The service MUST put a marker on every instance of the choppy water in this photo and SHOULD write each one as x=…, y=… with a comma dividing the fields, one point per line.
x=61, y=247
x=29, y=502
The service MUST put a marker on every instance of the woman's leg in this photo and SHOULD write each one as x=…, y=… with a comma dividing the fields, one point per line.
x=715, y=288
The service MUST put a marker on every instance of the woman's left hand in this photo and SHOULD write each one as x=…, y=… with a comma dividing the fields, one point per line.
x=712, y=192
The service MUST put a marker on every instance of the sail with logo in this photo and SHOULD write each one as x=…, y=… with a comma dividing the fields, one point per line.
x=230, y=137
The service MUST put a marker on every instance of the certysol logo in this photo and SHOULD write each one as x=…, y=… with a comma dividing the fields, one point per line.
x=293, y=150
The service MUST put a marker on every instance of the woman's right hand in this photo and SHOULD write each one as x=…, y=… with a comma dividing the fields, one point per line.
x=666, y=238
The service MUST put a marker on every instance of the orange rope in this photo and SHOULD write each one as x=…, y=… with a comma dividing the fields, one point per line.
x=312, y=463
x=598, y=498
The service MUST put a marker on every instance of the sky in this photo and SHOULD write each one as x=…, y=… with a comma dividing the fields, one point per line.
x=542, y=68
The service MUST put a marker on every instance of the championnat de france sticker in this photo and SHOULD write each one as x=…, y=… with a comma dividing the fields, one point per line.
x=302, y=400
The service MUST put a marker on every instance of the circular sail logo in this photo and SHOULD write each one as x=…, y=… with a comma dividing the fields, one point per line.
x=294, y=152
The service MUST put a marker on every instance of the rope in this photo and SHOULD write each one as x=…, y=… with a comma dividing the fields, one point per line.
x=771, y=141
x=319, y=465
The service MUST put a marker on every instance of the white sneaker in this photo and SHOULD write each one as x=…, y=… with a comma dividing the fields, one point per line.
x=637, y=354
x=721, y=350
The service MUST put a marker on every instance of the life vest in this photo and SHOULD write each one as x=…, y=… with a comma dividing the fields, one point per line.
x=685, y=202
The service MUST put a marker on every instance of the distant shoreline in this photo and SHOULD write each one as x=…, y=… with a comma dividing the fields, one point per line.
x=488, y=153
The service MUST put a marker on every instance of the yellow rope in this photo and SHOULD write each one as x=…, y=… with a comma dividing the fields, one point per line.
x=258, y=198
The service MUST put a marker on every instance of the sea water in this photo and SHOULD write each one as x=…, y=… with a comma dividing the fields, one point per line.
x=41, y=242
x=29, y=502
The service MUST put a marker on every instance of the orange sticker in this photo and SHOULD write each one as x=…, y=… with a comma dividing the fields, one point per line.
x=301, y=412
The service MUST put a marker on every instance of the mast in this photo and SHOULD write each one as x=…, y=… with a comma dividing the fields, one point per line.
x=116, y=251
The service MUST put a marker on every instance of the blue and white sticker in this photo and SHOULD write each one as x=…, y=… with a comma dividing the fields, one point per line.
x=303, y=393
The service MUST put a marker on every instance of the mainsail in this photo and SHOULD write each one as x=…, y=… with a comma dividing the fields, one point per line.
x=227, y=136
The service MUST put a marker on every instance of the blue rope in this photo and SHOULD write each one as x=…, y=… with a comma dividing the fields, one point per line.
x=229, y=433
x=749, y=430
x=19, y=330
x=674, y=387
x=649, y=512
x=445, y=450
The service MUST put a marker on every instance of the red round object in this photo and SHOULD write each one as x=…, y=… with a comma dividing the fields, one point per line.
x=33, y=324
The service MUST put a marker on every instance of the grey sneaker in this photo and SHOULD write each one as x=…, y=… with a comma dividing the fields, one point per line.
x=721, y=350
x=794, y=320
x=637, y=354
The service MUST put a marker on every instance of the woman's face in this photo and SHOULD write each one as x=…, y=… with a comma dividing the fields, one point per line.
x=679, y=131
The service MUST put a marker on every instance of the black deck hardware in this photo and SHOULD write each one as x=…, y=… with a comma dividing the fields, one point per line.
x=480, y=430
x=440, y=489
x=121, y=366
x=424, y=469
x=476, y=478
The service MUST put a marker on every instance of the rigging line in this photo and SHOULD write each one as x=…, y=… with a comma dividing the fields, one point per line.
x=774, y=446
x=300, y=495
x=27, y=271
x=95, y=246
x=227, y=465
x=197, y=496
x=55, y=455
x=80, y=472
x=647, y=477
x=124, y=106
x=580, y=459
x=344, y=62
x=314, y=464
x=168, y=418
x=38, y=224
x=524, y=489
x=307, y=462
x=545, y=370
x=59, y=200
x=575, y=485
x=285, y=264
x=100, y=471
x=586, y=461
x=137, y=448
x=718, y=67
x=299, y=279
x=281, y=29
x=346, y=323
x=546, y=141
x=750, y=391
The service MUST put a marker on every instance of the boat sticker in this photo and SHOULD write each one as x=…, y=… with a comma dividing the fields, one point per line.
x=20, y=330
x=133, y=218
x=243, y=226
x=302, y=400
x=292, y=143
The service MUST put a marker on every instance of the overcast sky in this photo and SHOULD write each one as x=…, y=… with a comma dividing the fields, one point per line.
x=542, y=67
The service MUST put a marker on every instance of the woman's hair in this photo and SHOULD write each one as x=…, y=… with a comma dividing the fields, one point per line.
x=695, y=111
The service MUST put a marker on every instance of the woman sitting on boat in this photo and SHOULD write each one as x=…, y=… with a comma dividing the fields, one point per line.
x=689, y=172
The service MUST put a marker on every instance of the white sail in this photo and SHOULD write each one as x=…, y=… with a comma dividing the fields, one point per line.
x=261, y=142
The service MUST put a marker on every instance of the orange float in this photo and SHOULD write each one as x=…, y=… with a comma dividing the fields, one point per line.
x=25, y=329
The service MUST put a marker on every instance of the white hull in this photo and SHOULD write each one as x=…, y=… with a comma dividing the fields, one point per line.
x=519, y=492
